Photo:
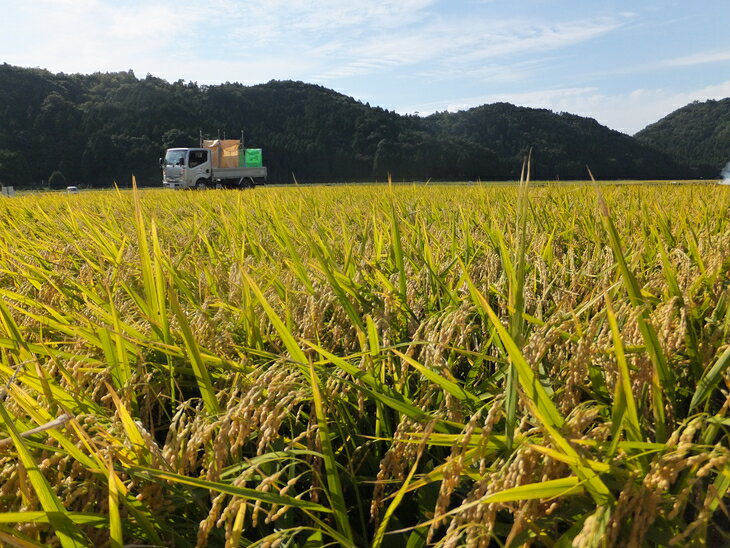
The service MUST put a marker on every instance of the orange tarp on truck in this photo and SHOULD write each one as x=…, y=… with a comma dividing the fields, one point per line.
x=224, y=152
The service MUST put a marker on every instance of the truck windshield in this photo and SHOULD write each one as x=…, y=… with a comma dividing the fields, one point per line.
x=175, y=157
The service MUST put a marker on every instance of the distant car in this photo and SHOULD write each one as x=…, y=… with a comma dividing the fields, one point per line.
x=72, y=190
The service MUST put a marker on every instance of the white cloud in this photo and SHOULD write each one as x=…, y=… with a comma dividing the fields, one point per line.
x=323, y=41
x=492, y=72
x=91, y=35
x=71, y=3
x=303, y=23
x=700, y=58
x=457, y=47
x=524, y=37
x=149, y=21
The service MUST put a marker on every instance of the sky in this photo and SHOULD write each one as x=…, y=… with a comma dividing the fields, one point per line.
x=625, y=63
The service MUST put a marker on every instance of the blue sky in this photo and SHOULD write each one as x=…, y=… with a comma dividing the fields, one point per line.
x=626, y=64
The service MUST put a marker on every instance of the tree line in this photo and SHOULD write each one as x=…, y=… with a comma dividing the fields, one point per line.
x=102, y=128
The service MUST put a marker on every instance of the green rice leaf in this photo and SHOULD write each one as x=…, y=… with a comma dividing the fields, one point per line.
x=710, y=379
x=335, y=493
x=207, y=390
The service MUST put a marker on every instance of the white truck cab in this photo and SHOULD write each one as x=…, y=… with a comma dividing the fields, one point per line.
x=184, y=168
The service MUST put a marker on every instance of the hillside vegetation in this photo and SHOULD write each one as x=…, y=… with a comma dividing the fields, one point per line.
x=99, y=128
x=698, y=133
x=364, y=366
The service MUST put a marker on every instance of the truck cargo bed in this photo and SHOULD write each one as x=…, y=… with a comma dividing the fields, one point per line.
x=238, y=172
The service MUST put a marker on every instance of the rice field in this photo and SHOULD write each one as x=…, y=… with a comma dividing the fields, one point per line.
x=380, y=366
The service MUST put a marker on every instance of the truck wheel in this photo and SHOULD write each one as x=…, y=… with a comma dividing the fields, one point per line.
x=246, y=182
x=201, y=184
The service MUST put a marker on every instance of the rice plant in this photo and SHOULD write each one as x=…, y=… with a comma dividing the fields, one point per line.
x=438, y=365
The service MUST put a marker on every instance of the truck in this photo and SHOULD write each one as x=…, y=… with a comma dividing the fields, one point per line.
x=215, y=164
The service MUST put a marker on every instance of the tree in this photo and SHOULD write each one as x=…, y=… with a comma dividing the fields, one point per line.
x=57, y=181
x=14, y=170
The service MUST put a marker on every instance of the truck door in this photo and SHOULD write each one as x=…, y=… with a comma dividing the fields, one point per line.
x=198, y=166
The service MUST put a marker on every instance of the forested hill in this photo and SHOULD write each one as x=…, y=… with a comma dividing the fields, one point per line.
x=564, y=144
x=698, y=132
x=100, y=128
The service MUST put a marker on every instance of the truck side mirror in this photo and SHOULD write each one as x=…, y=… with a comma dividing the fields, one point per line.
x=162, y=162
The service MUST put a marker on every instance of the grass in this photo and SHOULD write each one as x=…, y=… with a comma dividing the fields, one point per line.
x=366, y=365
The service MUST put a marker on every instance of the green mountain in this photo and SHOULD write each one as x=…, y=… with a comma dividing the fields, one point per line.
x=104, y=127
x=563, y=144
x=698, y=133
